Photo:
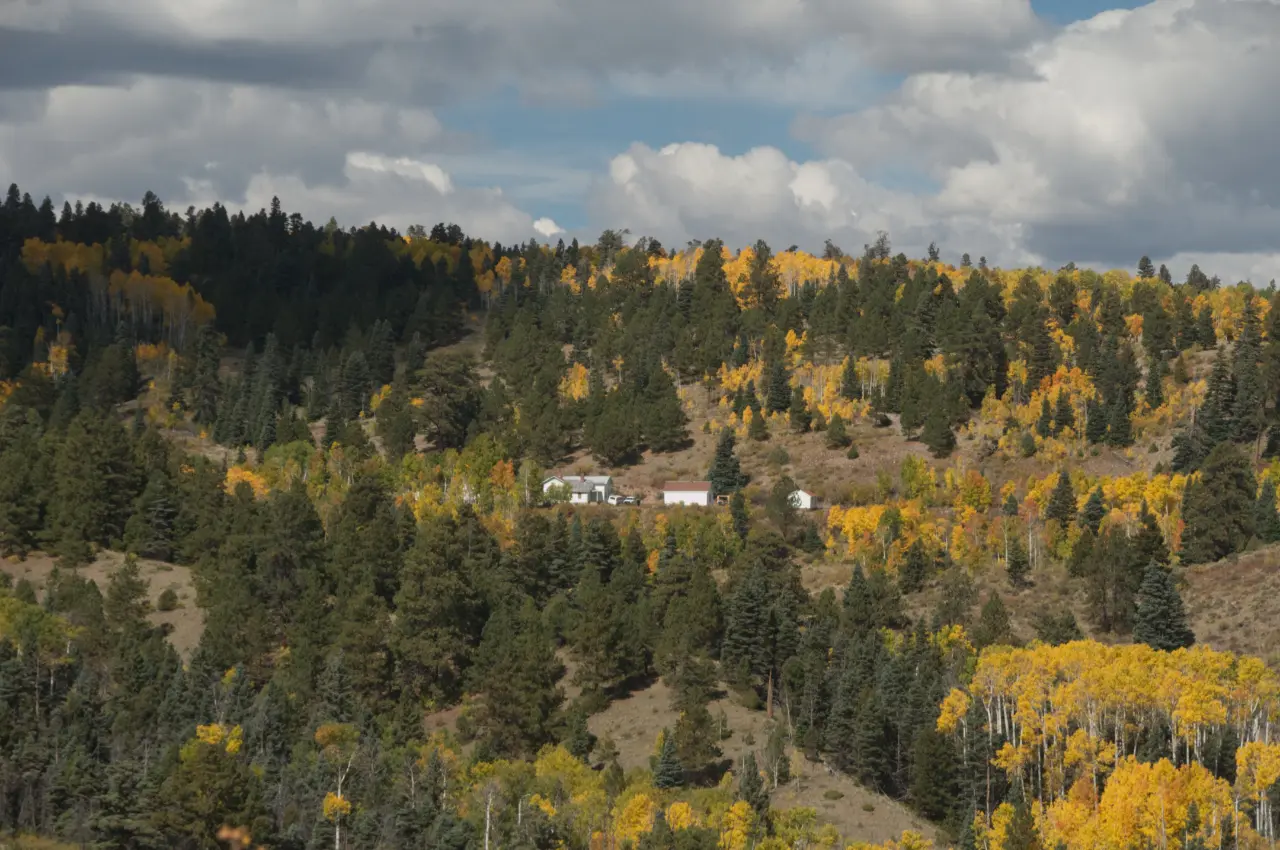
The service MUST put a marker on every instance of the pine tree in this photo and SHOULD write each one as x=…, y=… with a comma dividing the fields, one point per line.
x=1205, y=334
x=1266, y=519
x=915, y=568
x=937, y=434
x=850, y=386
x=1146, y=269
x=1095, y=429
x=1062, y=501
x=1154, y=387
x=1064, y=416
x=1044, y=425
x=726, y=474
x=758, y=430
x=1094, y=511
x=751, y=788
x=837, y=437
x=668, y=773
x=1162, y=620
x=777, y=386
x=1217, y=507
x=800, y=417
x=1017, y=564
x=738, y=511
x=1249, y=407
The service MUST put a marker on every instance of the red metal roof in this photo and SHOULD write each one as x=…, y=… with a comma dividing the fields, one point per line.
x=688, y=486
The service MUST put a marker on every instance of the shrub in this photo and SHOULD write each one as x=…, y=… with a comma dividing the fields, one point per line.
x=168, y=600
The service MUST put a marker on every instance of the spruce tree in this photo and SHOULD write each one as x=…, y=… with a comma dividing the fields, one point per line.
x=1064, y=416
x=777, y=386
x=800, y=417
x=1044, y=425
x=1162, y=619
x=1017, y=565
x=1249, y=406
x=1095, y=428
x=738, y=511
x=1146, y=269
x=1217, y=507
x=837, y=436
x=726, y=474
x=668, y=773
x=850, y=386
x=751, y=788
x=758, y=430
x=1154, y=387
x=1266, y=520
x=1094, y=511
x=1062, y=501
x=1205, y=334
x=937, y=434
x=915, y=568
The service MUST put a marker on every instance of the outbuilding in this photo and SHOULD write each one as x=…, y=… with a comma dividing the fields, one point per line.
x=802, y=500
x=687, y=493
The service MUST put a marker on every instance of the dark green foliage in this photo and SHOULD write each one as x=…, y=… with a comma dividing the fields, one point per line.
x=837, y=437
x=726, y=474
x=1017, y=564
x=668, y=773
x=1162, y=620
x=937, y=434
x=1062, y=501
x=800, y=417
x=1217, y=507
x=1094, y=511
x=738, y=510
x=751, y=787
x=1057, y=628
x=993, y=624
x=1266, y=522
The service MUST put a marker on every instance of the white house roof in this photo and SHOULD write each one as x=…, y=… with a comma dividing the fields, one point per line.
x=581, y=483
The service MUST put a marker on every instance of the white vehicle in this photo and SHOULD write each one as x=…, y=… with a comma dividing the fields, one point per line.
x=616, y=499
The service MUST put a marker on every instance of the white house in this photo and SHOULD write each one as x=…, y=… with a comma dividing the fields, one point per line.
x=802, y=500
x=583, y=489
x=687, y=493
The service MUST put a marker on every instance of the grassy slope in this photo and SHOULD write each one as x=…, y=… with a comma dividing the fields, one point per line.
x=185, y=623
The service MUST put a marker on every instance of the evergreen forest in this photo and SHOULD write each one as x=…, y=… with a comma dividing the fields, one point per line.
x=280, y=568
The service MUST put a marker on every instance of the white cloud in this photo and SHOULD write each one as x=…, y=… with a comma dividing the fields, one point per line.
x=1143, y=131
x=547, y=228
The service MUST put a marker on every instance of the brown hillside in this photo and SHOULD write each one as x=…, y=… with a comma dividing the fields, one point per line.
x=185, y=623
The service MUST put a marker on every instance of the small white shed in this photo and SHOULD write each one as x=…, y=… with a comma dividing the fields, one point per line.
x=802, y=500
x=687, y=493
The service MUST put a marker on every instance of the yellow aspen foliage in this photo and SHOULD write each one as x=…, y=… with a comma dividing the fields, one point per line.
x=237, y=475
x=910, y=840
x=336, y=807
x=634, y=818
x=736, y=828
x=576, y=382
x=680, y=815
x=542, y=804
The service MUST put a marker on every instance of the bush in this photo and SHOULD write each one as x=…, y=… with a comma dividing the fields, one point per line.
x=168, y=600
x=852, y=454
x=778, y=456
x=832, y=794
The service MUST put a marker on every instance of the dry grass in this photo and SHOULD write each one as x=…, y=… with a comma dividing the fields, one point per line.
x=186, y=623
x=1235, y=604
x=635, y=721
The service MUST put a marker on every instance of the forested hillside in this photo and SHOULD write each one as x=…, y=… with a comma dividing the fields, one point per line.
x=393, y=636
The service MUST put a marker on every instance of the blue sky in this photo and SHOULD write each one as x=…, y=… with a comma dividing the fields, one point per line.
x=587, y=137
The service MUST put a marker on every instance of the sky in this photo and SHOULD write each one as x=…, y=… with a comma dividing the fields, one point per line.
x=1027, y=131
